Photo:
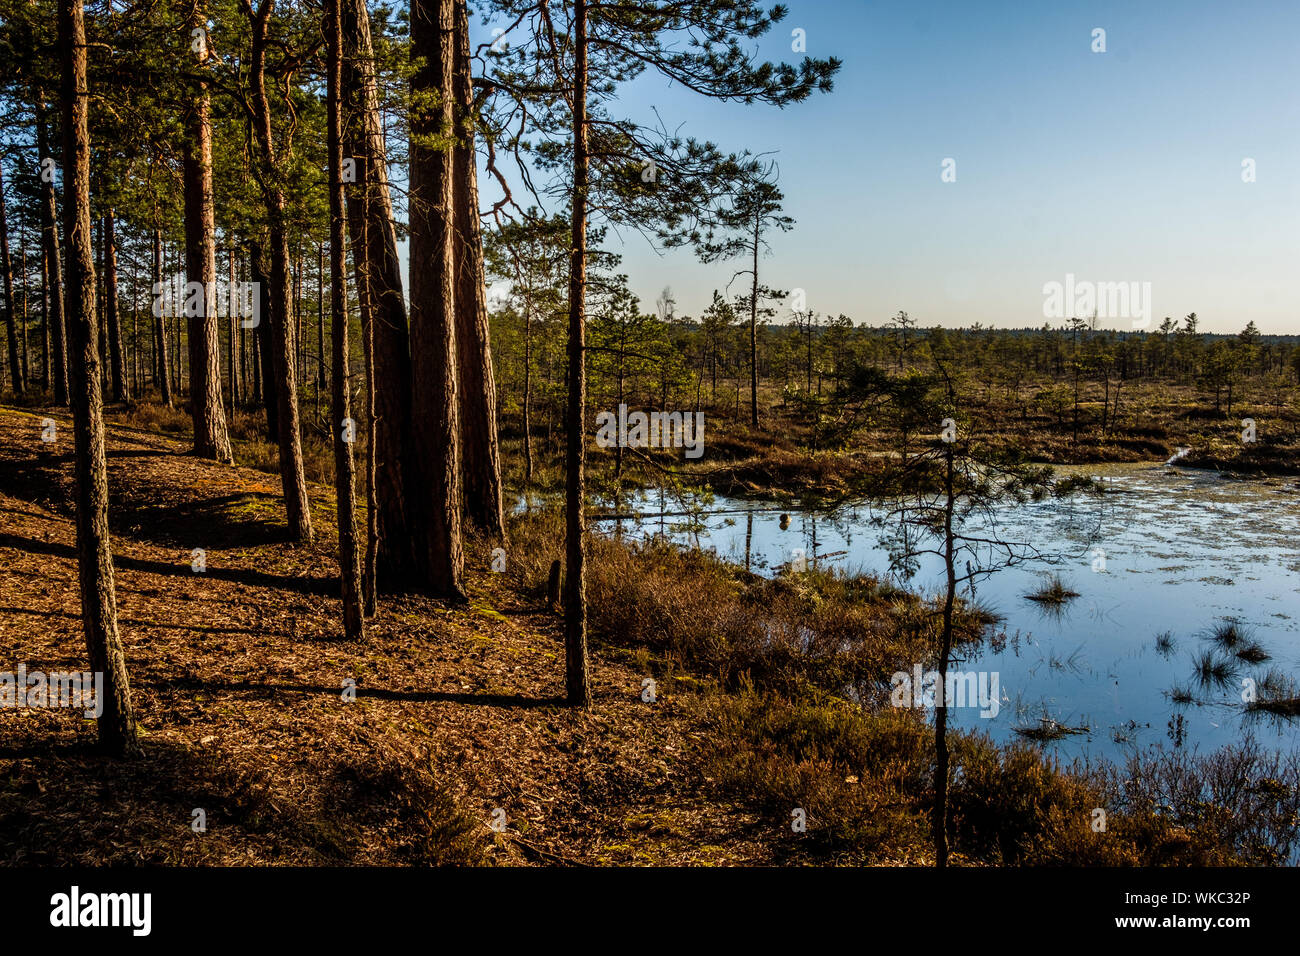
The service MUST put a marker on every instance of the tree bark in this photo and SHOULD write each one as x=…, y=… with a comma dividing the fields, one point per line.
x=320, y=321
x=53, y=263
x=753, y=325
x=528, y=393
x=117, y=730
x=292, y=477
x=22, y=320
x=368, y=581
x=343, y=427
x=121, y=392
x=373, y=234
x=16, y=373
x=45, y=317
x=940, y=823
x=434, y=517
x=136, y=384
x=263, y=344
x=102, y=341
x=162, y=372
x=478, y=396
x=232, y=319
x=211, y=439
x=577, y=671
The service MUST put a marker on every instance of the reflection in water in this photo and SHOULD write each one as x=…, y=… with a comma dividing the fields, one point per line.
x=1164, y=562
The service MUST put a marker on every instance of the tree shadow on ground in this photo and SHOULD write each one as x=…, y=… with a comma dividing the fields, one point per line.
x=64, y=803
x=143, y=506
x=40, y=479
x=135, y=622
x=321, y=587
x=264, y=690
x=214, y=524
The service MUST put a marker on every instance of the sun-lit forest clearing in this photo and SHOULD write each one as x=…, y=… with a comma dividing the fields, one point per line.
x=300, y=451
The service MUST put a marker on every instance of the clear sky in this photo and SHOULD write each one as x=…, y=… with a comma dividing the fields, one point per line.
x=1117, y=166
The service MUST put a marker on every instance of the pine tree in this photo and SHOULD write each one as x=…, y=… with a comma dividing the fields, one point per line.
x=117, y=730
x=211, y=439
x=341, y=424
x=270, y=179
x=16, y=372
x=641, y=176
x=53, y=267
x=433, y=517
x=753, y=210
x=480, y=449
x=113, y=323
x=390, y=467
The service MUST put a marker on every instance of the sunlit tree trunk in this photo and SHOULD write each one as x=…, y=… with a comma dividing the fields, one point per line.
x=162, y=372
x=478, y=399
x=753, y=323
x=15, y=366
x=577, y=670
x=232, y=320
x=528, y=393
x=368, y=582
x=940, y=823
x=373, y=234
x=341, y=424
x=113, y=325
x=45, y=317
x=434, y=516
x=292, y=476
x=53, y=262
x=22, y=316
x=117, y=730
x=211, y=440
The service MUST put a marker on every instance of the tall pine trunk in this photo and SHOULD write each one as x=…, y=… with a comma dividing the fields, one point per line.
x=53, y=262
x=263, y=343
x=292, y=477
x=45, y=315
x=379, y=279
x=211, y=439
x=117, y=730
x=576, y=668
x=939, y=826
x=342, y=426
x=528, y=392
x=23, y=318
x=15, y=365
x=368, y=582
x=753, y=326
x=232, y=319
x=434, y=516
x=161, y=372
x=478, y=396
x=113, y=325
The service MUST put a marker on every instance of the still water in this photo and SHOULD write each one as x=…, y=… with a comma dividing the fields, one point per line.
x=1165, y=551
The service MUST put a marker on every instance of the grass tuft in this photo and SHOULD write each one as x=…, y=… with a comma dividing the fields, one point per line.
x=1053, y=592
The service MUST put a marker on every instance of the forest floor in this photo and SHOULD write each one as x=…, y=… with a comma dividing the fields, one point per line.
x=238, y=672
x=442, y=738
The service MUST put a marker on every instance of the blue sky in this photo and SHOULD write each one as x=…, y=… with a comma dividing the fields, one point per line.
x=1117, y=166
